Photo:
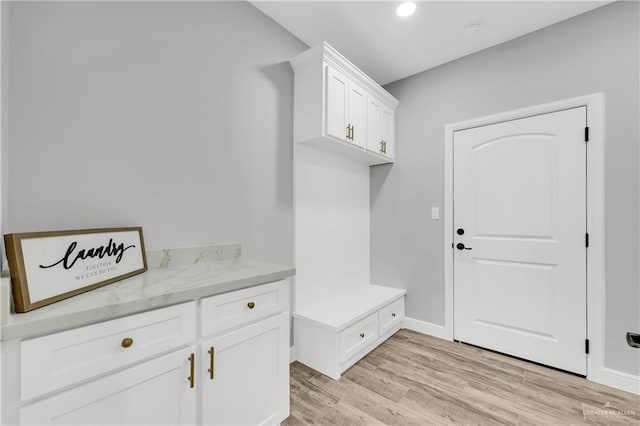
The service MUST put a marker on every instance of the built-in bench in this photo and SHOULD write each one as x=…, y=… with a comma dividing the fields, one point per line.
x=334, y=334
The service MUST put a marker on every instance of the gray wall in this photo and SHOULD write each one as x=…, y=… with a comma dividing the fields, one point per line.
x=173, y=116
x=4, y=103
x=594, y=52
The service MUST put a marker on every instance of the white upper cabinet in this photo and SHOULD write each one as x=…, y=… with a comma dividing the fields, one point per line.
x=339, y=108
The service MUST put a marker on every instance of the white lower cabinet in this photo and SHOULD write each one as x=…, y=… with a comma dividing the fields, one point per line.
x=152, y=368
x=247, y=375
x=156, y=392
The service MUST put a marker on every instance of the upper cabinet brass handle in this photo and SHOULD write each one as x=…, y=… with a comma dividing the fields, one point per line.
x=251, y=305
x=352, y=130
x=126, y=342
x=211, y=361
x=381, y=145
x=192, y=366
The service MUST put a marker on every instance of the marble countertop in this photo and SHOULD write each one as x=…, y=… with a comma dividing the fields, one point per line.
x=162, y=285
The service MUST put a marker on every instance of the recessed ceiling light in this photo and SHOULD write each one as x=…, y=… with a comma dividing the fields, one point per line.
x=405, y=9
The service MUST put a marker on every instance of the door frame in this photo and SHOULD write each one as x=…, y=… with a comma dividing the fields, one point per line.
x=595, y=104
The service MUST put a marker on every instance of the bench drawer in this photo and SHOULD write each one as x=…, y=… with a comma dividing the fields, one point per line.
x=61, y=359
x=358, y=336
x=391, y=315
x=236, y=308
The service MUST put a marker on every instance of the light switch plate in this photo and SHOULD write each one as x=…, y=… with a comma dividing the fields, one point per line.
x=435, y=213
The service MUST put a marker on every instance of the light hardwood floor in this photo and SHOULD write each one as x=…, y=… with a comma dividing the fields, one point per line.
x=413, y=379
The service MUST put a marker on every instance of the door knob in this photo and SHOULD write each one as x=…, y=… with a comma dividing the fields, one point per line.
x=461, y=246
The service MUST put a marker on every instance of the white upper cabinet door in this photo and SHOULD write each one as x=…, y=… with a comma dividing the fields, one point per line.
x=357, y=108
x=336, y=104
x=380, y=128
x=373, y=125
x=156, y=392
x=387, y=119
x=245, y=377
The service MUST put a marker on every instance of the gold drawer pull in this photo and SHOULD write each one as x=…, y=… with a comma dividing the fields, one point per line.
x=251, y=305
x=127, y=342
x=192, y=362
x=211, y=361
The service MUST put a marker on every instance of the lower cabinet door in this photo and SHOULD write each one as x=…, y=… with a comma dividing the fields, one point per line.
x=157, y=392
x=246, y=375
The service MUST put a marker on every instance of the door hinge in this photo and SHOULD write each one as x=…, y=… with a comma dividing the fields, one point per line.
x=586, y=134
x=586, y=346
x=586, y=239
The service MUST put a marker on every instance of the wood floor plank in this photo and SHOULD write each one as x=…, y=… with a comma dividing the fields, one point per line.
x=414, y=379
x=367, y=401
x=308, y=402
x=589, y=392
x=344, y=414
x=378, y=383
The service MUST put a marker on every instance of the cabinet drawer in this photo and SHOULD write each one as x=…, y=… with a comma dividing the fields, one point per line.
x=61, y=359
x=358, y=336
x=232, y=309
x=391, y=315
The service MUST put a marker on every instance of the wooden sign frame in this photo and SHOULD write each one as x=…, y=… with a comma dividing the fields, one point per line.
x=47, y=267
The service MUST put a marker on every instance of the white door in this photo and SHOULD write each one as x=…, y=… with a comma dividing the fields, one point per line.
x=247, y=380
x=156, y=392
x=336, y=104
x=520, y=207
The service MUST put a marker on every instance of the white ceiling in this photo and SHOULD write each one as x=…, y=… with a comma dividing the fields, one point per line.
x=389, y=48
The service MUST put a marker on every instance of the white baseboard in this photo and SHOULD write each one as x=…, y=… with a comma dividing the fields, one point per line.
x=428, y=328
x=617, y=379
x=293, y=354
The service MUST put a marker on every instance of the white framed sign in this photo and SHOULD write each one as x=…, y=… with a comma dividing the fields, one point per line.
x=47, y=267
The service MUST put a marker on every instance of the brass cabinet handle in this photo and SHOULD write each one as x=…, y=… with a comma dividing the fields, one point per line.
x=362, y=335
x=211, y=361
x=251, y=305
x=192, y=366
x=352, y=130
x=382, y=146
x=127, y=342
x=393, y=314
